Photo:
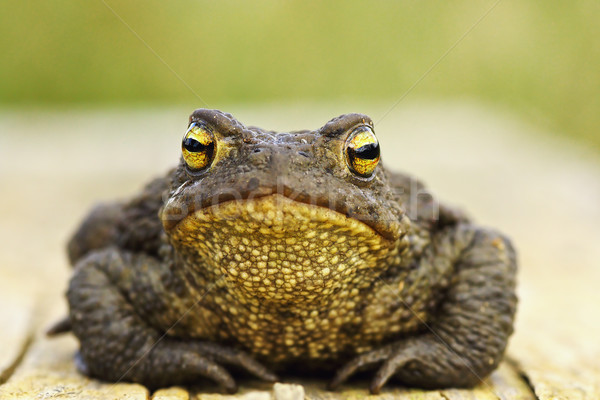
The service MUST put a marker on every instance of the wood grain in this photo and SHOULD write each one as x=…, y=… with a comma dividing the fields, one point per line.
x=17, y=310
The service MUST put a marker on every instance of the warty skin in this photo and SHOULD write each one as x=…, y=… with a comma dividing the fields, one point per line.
x=281, y=250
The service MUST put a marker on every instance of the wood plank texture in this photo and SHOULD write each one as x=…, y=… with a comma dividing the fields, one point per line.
x=173, y=393
x=17, y=308
x=560, y=355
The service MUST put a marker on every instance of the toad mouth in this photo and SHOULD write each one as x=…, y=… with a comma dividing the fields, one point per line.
x=176, y=212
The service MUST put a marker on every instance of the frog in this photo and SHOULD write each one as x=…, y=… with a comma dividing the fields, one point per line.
x=266, y=253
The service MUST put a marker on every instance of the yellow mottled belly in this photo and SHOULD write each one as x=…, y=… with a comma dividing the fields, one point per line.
x=289, y=275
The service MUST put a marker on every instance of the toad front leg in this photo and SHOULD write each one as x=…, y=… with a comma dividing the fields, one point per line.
x=110, y=296
x=467, y=335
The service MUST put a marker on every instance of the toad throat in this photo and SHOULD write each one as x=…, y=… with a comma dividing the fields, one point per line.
x=282, y=251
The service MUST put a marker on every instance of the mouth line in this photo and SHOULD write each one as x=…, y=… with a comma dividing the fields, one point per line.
x=171, y=219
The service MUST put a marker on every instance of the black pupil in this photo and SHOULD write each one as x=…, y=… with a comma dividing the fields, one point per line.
x=194, y=146
x=368, y=151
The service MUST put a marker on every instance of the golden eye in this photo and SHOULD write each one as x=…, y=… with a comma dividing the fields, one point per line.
x=198, y=147
x=362, y=151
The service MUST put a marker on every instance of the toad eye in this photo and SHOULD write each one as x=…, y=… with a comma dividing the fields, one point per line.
x=198, y=147
x=362, y=151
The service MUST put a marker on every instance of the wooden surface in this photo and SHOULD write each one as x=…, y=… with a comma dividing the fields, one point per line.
x=542, y=192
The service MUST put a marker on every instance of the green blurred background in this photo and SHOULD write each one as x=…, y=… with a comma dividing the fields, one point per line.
x=539, y=58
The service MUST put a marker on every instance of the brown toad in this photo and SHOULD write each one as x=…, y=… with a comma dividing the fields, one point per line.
x=265, y=251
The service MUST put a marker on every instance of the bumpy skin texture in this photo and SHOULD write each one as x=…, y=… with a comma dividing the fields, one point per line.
x=278, y=255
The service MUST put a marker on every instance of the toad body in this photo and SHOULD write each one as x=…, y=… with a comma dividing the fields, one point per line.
x=276, y=252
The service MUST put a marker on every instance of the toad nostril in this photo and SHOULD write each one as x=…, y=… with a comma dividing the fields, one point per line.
x=256, y=150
